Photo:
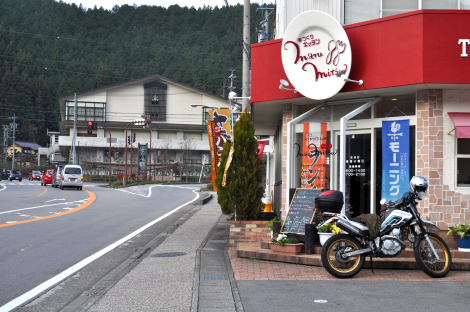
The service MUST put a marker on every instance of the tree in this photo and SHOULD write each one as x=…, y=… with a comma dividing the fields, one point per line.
x=245, y=178
x=188, y=148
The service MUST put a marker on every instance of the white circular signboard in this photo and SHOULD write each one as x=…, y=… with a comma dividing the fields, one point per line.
x=315, y=50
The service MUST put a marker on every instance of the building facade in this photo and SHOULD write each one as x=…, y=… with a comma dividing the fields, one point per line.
x=412, y=68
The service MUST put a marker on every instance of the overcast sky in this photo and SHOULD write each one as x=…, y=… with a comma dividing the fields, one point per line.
x=108, y=4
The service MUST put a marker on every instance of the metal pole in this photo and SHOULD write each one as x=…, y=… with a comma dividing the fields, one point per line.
x=109, y=153
x=13, y=159
x=74, y=154
x=125, y=170
x=149, y=122
x=131, y=153
x=246, y=55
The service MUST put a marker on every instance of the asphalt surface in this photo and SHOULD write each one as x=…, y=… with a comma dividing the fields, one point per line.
x=189, y=269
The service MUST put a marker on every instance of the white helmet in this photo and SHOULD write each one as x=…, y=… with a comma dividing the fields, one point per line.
x=419, y=186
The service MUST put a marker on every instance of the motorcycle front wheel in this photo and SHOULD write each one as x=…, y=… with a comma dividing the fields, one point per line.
x=334, y=261
x=426, y=259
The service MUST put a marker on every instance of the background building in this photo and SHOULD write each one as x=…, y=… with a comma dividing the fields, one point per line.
x=174, y=142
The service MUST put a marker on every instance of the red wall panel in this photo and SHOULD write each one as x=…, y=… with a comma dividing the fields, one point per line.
x=405, y=49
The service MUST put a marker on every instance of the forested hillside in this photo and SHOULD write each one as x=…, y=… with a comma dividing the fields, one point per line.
x=50, y=49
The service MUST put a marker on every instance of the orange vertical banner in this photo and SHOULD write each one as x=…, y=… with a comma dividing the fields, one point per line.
x=214, y=158
x=313, y=173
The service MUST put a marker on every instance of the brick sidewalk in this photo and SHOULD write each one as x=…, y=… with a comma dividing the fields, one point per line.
x=251, y=270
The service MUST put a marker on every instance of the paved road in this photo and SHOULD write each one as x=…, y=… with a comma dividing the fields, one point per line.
x=44, y=231
x=353, y=295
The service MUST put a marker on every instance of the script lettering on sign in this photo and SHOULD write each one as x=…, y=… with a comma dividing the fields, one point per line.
x=316, y=54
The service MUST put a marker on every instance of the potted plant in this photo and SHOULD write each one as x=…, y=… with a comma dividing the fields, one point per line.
x=283, y=244
x=326, y=231
x=463, y=235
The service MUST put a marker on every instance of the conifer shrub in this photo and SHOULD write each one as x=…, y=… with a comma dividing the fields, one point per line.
x=244, y=175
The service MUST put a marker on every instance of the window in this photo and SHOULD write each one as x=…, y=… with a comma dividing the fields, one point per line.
x=392, y=7
x=463, y=162
x=396, y=106
x=364, y=10
x=73, y=171
x=155, y=98
x=86, y=111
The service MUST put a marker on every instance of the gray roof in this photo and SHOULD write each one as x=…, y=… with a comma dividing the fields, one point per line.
x=31, y=145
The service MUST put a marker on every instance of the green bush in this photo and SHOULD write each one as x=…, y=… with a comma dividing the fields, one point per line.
x=244, y=174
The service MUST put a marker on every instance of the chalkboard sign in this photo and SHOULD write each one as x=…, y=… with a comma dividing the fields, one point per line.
x=301, y=211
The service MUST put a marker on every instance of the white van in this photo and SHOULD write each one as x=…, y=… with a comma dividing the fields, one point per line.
x=72, y=176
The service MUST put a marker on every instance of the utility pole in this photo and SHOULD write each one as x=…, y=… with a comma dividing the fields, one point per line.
x=13, y=125
x=263, y=33
x=74, y=152
x=6, y=131
x=246, y=56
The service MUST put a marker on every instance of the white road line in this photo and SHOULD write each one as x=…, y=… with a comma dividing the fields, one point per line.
x=150, y=189
x=69, y=203
x=54, y=199
x=80, y=265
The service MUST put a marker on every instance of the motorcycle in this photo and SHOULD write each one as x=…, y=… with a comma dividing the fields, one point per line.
x=343, y=255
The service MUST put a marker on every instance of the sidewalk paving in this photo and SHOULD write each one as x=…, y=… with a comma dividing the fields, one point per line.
x=189, y=271
x=194, y=270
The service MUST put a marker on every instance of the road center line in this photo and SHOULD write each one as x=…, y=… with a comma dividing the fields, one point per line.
x=80, y=265
x=84, y=205
x=45, y=191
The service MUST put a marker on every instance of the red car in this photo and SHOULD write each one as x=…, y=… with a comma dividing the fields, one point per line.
x=47, y=177
x=34, y=175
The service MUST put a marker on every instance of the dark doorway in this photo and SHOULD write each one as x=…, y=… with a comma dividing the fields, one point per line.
x=358, y=170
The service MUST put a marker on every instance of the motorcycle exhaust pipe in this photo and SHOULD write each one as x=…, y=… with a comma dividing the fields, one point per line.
x=348, y=227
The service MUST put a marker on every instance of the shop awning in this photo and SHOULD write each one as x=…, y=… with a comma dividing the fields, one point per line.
x=462, y=123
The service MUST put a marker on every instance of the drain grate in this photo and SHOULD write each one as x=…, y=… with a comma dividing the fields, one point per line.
x=169, y=254
x=205, y=277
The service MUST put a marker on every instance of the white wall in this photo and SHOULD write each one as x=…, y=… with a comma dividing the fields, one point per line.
x=179, y=108
x=287, y=10
x=125, y=103
x=454, y=101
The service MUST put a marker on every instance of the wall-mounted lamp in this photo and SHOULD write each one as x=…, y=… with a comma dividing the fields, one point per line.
x=341, y=74
x=233, y=96
x=285, y=84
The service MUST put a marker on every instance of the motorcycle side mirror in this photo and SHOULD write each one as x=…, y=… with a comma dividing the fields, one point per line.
x=383, y=201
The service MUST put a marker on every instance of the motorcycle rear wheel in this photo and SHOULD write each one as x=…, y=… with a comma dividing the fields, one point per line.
x=334, y=263
x=427, y=261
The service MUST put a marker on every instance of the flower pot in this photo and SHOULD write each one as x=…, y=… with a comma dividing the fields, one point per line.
x=288, y=249
x=464, y=243
x=324, y=237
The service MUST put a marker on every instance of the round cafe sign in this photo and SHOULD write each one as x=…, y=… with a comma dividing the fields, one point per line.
x=315, y=50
